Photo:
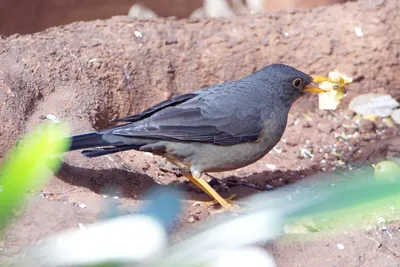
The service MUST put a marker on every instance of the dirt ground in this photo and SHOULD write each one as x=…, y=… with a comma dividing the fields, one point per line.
x=90, y=73
x=26, y=16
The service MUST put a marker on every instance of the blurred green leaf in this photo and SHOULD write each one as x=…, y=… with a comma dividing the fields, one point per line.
x=356, y=200
x=29, y=165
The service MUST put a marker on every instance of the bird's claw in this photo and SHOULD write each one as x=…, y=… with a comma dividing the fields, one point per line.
x=230, y=205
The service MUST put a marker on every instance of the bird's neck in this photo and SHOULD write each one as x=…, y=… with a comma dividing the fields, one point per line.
x=274, y=125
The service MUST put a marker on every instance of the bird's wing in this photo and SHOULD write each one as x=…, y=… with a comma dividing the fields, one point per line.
x=221, y=116
x=150, y=111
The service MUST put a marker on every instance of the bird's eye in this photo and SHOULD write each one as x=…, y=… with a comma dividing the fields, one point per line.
x=297, y=82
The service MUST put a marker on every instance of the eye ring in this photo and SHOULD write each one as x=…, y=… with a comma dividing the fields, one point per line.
x=297, y=82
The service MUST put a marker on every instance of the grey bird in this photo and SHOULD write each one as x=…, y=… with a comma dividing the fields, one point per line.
x=219, y=128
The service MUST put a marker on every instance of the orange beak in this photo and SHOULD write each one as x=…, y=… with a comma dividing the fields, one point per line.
x=316, y=79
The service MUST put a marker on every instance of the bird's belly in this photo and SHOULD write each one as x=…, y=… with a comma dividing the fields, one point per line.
x=211, y=158
x=231, y=158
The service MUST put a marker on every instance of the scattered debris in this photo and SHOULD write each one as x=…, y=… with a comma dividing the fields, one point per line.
x=139, y=11
x=340, y=246
x=359, y=32
x=256, y=6
x=306, y=154
x=149, y=154
x=217, y=9
x=307, y=116
x=278, y=150
x=381, y=105
x=390, y=122
x=396, y=116
x=270, y=166
x=138, y=34
x=52, y=195
x=191, y=219
x=228, y=8
x=198, y=14
x=50, y=117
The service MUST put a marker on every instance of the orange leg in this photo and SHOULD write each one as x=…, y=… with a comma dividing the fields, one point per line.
x=203, y=185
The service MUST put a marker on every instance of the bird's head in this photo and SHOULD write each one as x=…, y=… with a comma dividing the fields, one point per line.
x=288, y=82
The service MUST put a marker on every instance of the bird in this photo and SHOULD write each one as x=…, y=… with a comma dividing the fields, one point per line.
x=219, y=128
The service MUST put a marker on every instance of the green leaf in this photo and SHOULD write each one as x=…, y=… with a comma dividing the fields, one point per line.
x=357, y=200
x=29, y=165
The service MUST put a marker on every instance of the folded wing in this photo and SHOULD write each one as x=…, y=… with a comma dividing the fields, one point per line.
x=231, y=118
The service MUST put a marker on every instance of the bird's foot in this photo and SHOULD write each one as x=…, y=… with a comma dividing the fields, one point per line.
x=228, y=204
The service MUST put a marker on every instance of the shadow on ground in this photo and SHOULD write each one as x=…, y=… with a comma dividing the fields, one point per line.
x=134, y=185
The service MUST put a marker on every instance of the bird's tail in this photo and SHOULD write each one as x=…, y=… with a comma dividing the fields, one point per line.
x=95, y=140
x=108, y=150
x=88, y=140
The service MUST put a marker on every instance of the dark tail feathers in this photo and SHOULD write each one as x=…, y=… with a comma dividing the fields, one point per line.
x=109, y=150
x=94, y=139
x=88, y=140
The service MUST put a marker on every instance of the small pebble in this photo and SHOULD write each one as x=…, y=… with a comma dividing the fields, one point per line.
x=359, y=32
x=191, y=219
x=138, y=34
x=82, y=206
x=267, y=186
x=52, y=118
x=340, y=246
x=306, y=154
x=270, y=166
